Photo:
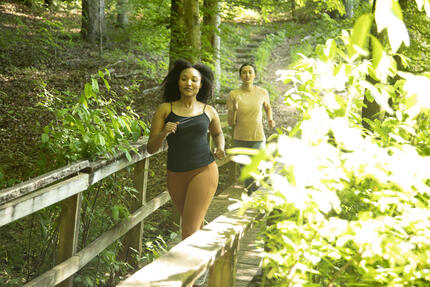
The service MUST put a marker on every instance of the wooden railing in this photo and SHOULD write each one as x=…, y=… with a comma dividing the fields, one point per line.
x=65, y=186
x=213, y=248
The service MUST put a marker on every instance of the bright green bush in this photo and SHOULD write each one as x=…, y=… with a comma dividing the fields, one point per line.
x=348, y=206
x=92, y=128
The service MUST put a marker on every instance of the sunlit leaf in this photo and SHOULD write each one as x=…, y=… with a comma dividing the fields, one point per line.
x=380, y=96
x=95, y=85
x=360, y=34
x=416, y=88
x=88, y=90
x=425, y=4
x=330, y=48
x=388, y=14
x=377, y=51
x=383, y=64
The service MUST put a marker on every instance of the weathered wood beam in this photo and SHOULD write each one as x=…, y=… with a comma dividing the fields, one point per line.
x=134, y=238
x=72, y=265
x=33, y=184
x=103, y=168
x=35, y=201
x=185, y=262
x=69, y=232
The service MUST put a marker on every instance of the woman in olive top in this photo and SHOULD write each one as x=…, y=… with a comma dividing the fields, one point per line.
x=245, y=111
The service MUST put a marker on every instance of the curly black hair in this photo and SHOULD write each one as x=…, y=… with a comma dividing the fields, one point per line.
x=247, y=64
x=170, y=83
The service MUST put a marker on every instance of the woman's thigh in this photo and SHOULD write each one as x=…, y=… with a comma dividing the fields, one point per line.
x=184, y=186
x=200, y=191
x=177, y=183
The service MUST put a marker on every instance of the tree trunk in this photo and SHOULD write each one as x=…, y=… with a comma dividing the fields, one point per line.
x=293, y=9
x=211, y=42
x=185, y=31
x=93, y=20
x=122, y=17
x=192, y=26
x=177, y=34
x=370, y=109
x=349, y=8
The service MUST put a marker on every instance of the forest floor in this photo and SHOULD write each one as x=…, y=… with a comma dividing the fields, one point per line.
x=32, y=73
x=38, y=71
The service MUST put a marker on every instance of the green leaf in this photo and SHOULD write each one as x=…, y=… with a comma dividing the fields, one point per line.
x=360, y=34
x=106, y=84
x=115, y=212
x=377, y=50
x=425, y=4
x=388, y=14
x=101, y=140
x=330, y=49
x=88, y=91
x=45, y=138
x=383, y=64
x=127, y=155
x=95, y=86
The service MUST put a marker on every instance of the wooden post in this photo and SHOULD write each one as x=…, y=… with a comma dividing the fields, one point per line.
x=223, y=272
x=69, y=231
x=134, y=238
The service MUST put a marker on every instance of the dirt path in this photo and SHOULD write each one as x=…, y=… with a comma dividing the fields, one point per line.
x=284, y=115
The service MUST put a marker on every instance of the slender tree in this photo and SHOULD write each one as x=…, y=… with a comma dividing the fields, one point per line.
x=211, y=41
x=192, y=26
x=177, y=37
x=293, y=9
x=371, y=109
x=185, y=30
x=122, y=16
x=349, y=8
x=93, y=20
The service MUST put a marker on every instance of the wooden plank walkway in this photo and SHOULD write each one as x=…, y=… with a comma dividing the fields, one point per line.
x=250, y=254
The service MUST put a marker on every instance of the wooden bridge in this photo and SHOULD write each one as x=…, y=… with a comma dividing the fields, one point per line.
x=226, y=245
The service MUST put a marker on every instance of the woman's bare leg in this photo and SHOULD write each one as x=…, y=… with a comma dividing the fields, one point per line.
x=192, y=193
x=200, y=191
x=177, y=186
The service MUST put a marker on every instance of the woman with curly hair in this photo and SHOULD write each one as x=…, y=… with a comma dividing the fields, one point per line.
x=184, y=119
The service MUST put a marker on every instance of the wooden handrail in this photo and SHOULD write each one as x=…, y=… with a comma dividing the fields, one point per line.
x=214, y=247
x=65, y=185
x=28, y=186
x=72, y=265
x=90, y=173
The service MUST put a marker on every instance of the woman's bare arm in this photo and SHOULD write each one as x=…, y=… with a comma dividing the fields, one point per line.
x=159, y=130
x=268, y=109
x=231, y=110
x=217, y=134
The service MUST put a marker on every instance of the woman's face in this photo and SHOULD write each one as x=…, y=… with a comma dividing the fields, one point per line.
x=190, y=82
x=247, y=75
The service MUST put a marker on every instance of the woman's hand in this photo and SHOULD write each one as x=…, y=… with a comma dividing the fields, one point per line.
x=219, y=153
x=170, y=127
x=272, y=124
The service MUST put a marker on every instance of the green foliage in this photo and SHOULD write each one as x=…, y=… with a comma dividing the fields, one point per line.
x=92, y=128
x=419, y=29
x=270, y=9
x=264, y=51
x=347, y=206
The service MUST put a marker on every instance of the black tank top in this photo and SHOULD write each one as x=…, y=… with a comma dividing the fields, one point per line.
x=188, y=146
